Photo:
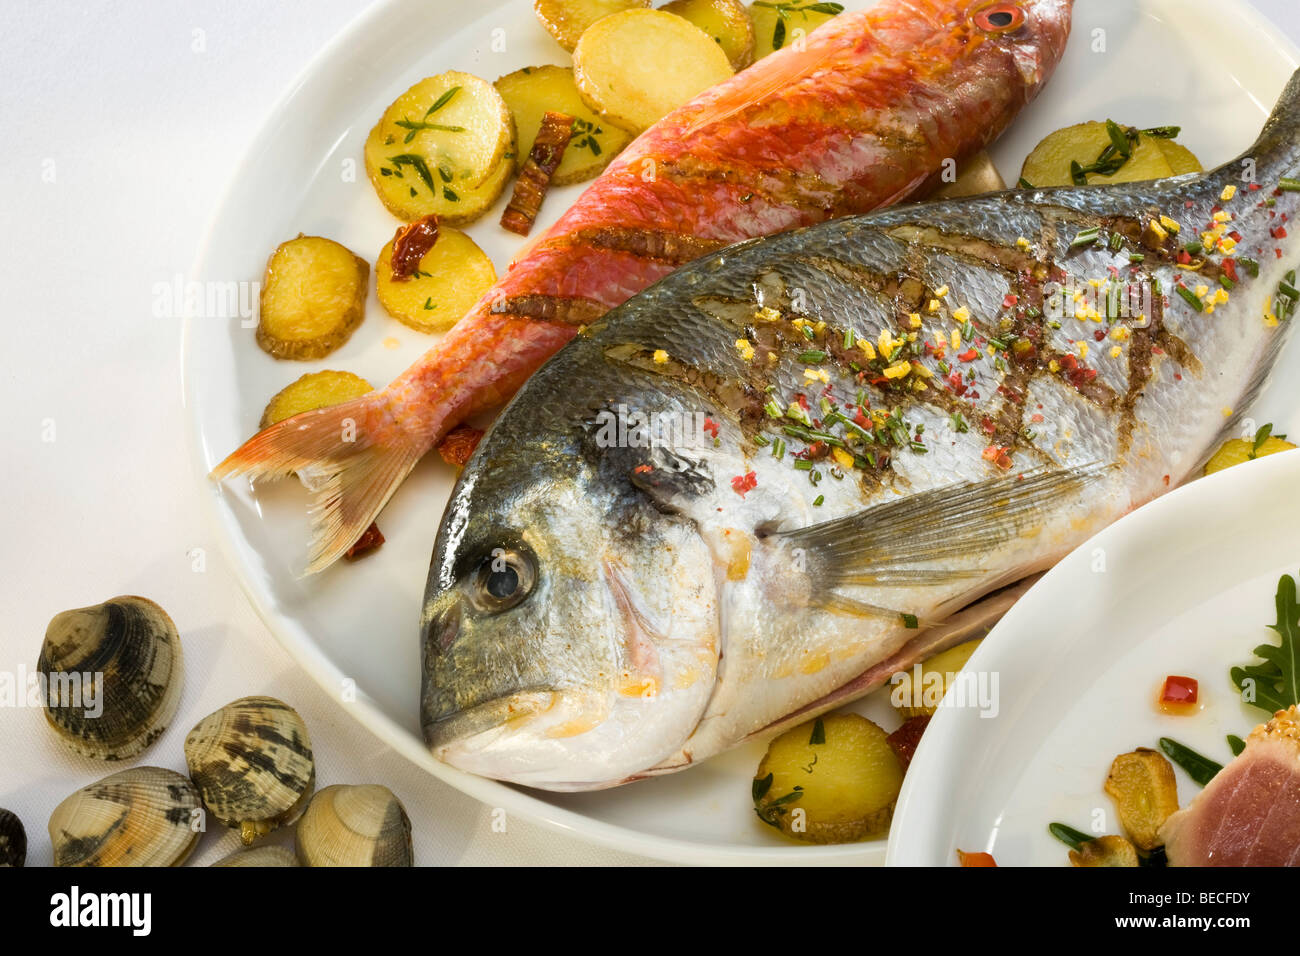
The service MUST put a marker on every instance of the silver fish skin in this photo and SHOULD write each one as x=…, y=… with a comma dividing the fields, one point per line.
x=631, y=576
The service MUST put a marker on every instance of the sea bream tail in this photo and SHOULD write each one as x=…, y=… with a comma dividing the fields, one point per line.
x=351, y=457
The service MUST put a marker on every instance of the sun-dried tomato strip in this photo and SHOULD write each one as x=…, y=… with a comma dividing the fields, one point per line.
x=410, y=245
x=459, y=444
x=535, y=178
x=369, y=541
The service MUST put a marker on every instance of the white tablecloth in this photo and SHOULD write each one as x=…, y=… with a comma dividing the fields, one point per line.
x=119, y=127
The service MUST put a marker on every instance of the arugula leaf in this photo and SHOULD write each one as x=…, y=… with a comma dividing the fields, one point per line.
x=1275, y=684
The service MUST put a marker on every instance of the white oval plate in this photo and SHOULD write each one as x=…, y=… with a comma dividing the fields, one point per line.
x=356, y=625
x=1183, y=586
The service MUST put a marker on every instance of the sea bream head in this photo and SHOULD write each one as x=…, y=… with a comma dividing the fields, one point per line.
x=762, y=485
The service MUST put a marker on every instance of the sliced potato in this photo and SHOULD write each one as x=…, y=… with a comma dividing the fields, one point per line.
x=832, y=780
x=1145, y=792
x=636, y=67
x=1237, y=451
x=532, y=91
x=313, y=297
x=1105, y=851
x=313, y=390
x=453, y=275
x=1180, y=158
x=1049, y=163
x=937, y=675
x=727, y=21
x=445, y=146
x=773, y=32
x=975, y=176
x=568, y=20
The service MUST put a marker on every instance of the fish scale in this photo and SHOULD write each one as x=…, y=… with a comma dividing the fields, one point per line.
x=735, y=587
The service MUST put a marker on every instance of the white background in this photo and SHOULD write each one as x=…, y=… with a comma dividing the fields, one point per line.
x=117, y=137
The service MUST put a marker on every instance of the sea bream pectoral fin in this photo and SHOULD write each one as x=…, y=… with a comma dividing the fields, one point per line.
x=934, y=538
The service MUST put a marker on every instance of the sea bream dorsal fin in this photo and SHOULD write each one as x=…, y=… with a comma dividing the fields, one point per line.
x=919, y=540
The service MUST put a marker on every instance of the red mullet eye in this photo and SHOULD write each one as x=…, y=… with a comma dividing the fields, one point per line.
x=1001, y=18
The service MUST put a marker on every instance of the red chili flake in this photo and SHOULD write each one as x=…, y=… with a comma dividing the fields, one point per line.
x=1278, y=253
x=711, y=427
x=1166, y=479
x=969, y=355
x=1278, y=232
x=998, y=455
x=987, y=426
x=1184, y=257
x=803, y=402
x=1036, y=418
x=643, y=469
x=1187, y=204
x=1069, y=363
x=818, y=450
x=974, y=395
x=1178, y=376
x=1253, y=187
x=369, y=541
x=1099, y=335
x=459, y=444
x=1229, y=267
x=1157, y=350
x=862, y=421
x=1009, y=301
x=742, y=484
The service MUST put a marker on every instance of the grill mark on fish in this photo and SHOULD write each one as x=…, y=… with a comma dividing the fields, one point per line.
x=778, y=187
x=975, y=250
x=675, y=248
x=551, y=308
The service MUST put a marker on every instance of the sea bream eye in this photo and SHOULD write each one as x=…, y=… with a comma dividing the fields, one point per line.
x=1001, y=18
x=503, y=579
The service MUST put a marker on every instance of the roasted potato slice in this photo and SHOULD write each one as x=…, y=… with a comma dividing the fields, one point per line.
x=1049, y=163
x=568, y=20
x=1105, y=851
x=445, y=146
x=937, y=675
x=1179, y=157
x=313, y=297
x=832, y=780
x=773, y=31
x=1145, y=792
x=1237, y=451
x=975, y=176
x=313, y=390
x=727, y=21
x=636, y=67
x=534, y=90
x=453, y=275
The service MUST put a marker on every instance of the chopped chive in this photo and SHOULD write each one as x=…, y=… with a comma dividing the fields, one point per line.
x=1119, y=139
x=1288, y=185
x=807, y=332
x=1226, y=282
x=1068, y=835
x=1086, y=238
x=1077, y=175
x=1136, y=257
x=812, y=356
x=762, y=441
x=1194, y=248
x=1024, y=183
x=1191, y=298
x=818, y=733
x=910, y=621
x=1199, y=768
x=803, y=464
x=1288, y=290
x=778, y=448
x=849, y=338
x=817, y=502
x=1116, y=242
x=772, y=409
x=1163, y=132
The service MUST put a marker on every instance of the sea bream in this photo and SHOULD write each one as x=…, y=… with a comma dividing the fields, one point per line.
x=863, y=112
x=761, y=486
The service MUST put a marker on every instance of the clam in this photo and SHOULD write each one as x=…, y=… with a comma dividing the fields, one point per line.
x=355, y=826
x=145, y=816
x=252, y=763
x=260, y=856
x=113, y=676
x=13, y=840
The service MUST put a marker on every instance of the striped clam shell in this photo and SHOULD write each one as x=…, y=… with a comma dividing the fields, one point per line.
x=252, y=763
x=145, y=816
x=363, y=825
x=132, y=644
x=13, y=840
x=260, y=856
